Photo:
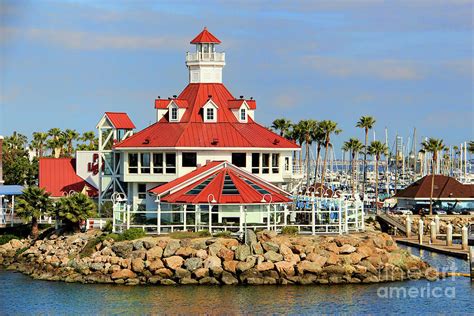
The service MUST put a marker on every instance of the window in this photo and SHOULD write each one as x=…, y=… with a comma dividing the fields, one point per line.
x=255, y=186
x=142, y=191
x=158, y=163
x=145, y=162
x=189, y=160
x=265, y=163
x=239, y=159
x=197, y=189
x=243, y=115
x=229, y=186
x=275, y=163
x=287, y=163
x=170, y=162
x=174, y=114
x=210, y=114
x=255, y=163
x=132, y=163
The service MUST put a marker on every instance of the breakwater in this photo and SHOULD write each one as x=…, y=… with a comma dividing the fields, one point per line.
x=266, y=259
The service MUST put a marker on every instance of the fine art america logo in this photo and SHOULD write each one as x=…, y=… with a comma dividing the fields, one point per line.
x=439, y=289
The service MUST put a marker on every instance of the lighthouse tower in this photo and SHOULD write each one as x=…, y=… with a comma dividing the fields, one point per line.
x=205, y=65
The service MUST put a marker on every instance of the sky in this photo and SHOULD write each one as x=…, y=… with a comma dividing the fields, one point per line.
x=408, y=63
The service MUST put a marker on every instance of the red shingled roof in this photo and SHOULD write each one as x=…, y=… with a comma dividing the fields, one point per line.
x=205, y=37
x=251, y=190
x=58, y=177
x=191, y=131
x=444, y=188
x=120, y=120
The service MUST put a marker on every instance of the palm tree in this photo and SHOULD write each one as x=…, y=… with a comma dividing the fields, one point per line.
x=31, y=205
x=56, y=142
x=328, y=128
x=354, y=146
x=70, y=135
x=306, y=128
x=433, y=146
x=376, y=149
x=319, y=137
x=298, y=136
x=282, y=125
x=90, y=137
x=76, y=208
x=39, y=142
x=367, y=123
x=16, y=141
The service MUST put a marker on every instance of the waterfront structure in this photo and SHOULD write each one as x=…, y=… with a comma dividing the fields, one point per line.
x=448, y=193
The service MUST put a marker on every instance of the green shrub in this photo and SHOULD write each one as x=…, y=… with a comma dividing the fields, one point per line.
x=204, y=233
x=108, y=227
x=133, y=233
x=21, y=250
x=6, y=238
x=186, y=234
x=289, y=230
x=89, y=248
x=223, y=234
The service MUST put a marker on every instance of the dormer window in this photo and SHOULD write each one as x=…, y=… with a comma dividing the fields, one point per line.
x=243, y=115
x=174, y=114
x=210, y=114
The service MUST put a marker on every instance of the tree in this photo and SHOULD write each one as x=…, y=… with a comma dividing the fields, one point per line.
x=39, y=143
x=319, y=137
x=328, y=128
x=31, y=205
x=70, y=135
x=307, y=128
x=17, y=167
x=298, y=136
x=281, y=125
x=56, y=142
x=377, y=149
x=93, y=141
x=354, y=146
x=367, y=123
x=74, y=209
x=433, y=146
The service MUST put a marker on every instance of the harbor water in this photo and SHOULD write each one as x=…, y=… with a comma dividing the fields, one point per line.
x=21, y=295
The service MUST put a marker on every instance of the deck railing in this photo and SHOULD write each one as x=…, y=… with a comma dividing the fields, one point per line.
x=205, y=57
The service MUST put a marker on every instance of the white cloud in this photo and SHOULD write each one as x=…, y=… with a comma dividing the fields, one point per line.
x=387, y=69
x=91, y=41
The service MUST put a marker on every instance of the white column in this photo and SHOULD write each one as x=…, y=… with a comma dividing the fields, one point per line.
x=420, y=231
x=268, y=216
x=128, y=216
x=313, y=214
x=184, y=217
x=363, y=214
x=346, y=224
x=13, y=210
x=197, y=222
x=285, y=213
x=275, y=216
x=437, y=223
x=158, y=219
x=464, y=238
x=449, y=235
x=408, y=226
x=241, y=221
x=433, y=231
x=339, y=208
x=210, y=219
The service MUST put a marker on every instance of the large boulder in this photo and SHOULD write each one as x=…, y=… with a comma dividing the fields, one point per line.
x=285, y=268
x=228, y=279
x=242, y=252
x=123, y=274
x=308, y=266
x=347, y=249
x=314, y=257
x=123, y=249
x=212, y=262
x=286, y=252
x=273, y=256
x=193, y=264
x=270, y=246
x=138, y=265
x=265, y=266
x=153, y=253
x=171, y=248
x=174, y=262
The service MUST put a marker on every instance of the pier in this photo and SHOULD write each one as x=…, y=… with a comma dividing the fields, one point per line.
x=438, y=246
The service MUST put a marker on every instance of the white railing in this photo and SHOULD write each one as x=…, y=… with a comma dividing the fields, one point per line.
x=97, y=223
x=205, y=56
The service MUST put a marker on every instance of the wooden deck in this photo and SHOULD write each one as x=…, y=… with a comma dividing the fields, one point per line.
x=439, y=246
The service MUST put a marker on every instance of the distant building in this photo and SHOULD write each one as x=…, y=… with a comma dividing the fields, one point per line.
x=447, y=193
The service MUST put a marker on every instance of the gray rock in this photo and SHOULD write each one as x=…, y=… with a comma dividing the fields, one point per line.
x=181, y=273
x=270, y=246
x=209, y=280
x=242, y=252
x=251, y=237
x=186, y=281
x=96, y=266
x=171, y=248
x=123, y=249
x=137, y=245
x=193, y=264
x=228, y=279
x=273, y=256
x=148, y=244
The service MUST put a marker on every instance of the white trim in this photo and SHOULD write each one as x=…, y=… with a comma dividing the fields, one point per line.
x=247, y=149
x=436, y=199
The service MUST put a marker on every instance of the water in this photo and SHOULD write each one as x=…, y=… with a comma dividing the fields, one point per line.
x=21, y=295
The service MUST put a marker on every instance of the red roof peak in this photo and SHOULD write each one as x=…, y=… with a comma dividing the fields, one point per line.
x=205, y=37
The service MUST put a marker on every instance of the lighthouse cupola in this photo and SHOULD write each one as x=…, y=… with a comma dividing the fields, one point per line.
x=205, y=64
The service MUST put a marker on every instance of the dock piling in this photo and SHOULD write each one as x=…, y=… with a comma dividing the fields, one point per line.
x=437, y=223
x=449, y=235
x=408, y=226
x=433, y=232
x=420, y=231
x=464, y=236
x=471, y=260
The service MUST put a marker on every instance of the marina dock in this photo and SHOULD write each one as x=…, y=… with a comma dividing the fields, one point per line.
x=438, y=246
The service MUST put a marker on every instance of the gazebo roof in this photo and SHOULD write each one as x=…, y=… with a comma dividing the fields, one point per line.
x=222, y=183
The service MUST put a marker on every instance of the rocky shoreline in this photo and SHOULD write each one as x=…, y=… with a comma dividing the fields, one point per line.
x=267, y=259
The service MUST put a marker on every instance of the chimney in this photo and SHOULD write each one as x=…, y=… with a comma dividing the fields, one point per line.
x=1, y=160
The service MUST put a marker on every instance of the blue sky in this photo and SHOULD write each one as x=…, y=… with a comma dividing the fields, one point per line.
x=407, y=63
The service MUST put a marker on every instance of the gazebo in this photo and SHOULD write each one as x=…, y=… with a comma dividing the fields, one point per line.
x=7, y=203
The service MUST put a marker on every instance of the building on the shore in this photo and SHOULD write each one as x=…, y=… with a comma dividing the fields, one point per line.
x=448, y=193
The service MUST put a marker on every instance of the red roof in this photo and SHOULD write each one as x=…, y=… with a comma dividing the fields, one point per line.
x=205, y=37
x=58, y=177
x=444, y=187
x=120, y=120
x=164, y=103
x=225, y=183
x=191, y=131
x=236, y=104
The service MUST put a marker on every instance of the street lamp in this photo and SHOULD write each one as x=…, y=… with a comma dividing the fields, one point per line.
x=268, y=207
x=209, y=201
